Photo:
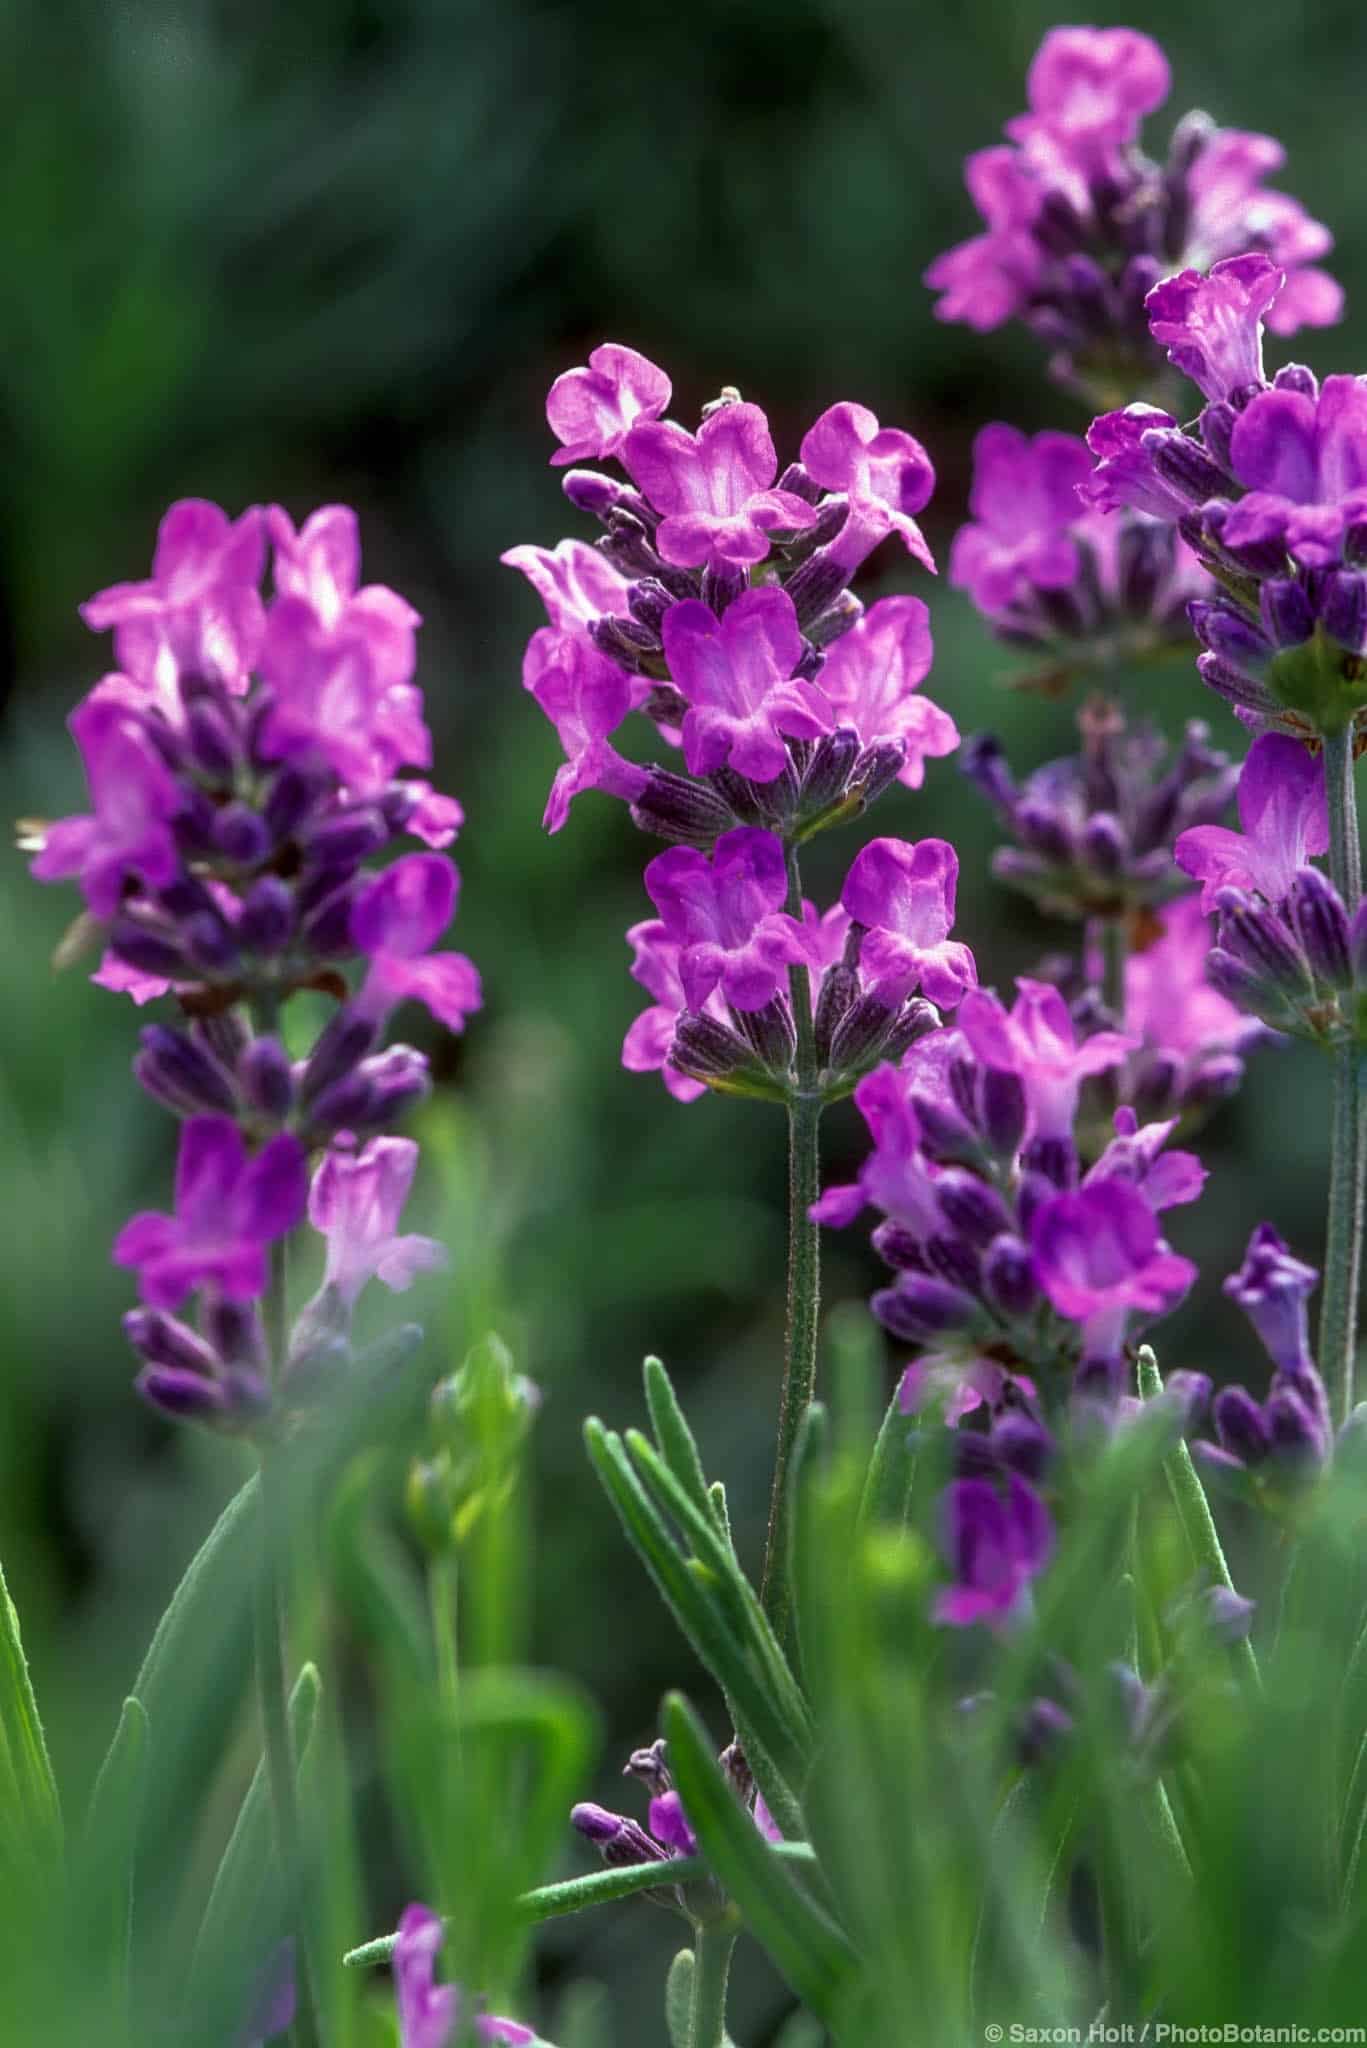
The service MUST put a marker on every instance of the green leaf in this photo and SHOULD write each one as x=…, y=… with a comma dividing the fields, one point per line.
x=30, y=1813
x=692, y=1597
x=679, y=2000
x=802, y=1942
x=678, y=1446
x=103, y=1880
x=891, y=1470
x=245, y=1915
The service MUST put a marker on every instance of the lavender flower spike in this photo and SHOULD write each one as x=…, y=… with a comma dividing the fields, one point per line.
x=1272, y=1287
x=432, y=2015
x=1285, y=819
x=228, y=1209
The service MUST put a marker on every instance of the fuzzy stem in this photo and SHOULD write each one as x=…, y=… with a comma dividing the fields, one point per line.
x=271, y=1678
x=711, y=1969
x=1343, y=1232
x=804, y=1278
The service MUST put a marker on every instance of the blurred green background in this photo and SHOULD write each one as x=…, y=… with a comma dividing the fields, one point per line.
x=339, y=251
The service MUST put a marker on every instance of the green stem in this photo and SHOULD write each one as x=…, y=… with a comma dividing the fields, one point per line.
x=443, y=1593
x=1193, y=1511
x=804, y=1279
x=711, y=1969
x=271, y=1680
x=1343, y=1237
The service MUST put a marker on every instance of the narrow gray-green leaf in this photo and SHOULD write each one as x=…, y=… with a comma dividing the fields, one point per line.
x=104, y=1878
x=801, y=1941
x=30, y=1813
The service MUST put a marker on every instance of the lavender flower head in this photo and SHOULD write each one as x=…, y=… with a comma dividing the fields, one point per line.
x=245, y=765
x=1285, y=1438
x=717, y=606
x=1270, y=491
x=1080, y=224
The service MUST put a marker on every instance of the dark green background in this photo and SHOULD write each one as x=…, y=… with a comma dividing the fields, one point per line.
x=326, y=251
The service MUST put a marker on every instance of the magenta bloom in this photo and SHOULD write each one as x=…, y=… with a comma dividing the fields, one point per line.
x=574, y=581
x=645, y=1049
x=430, y=2014
x=591, y=411
x=200, y=612
x=586, y=697
x=896, y=1177
x=1229, y=211
x=320, y=566
x=1090, y=88
x=355, y=1202
x=1303, y=462
x=1285, y=819
x=1098, y=1256
x=1036, y=1040
x=229, y=1207
x=995, y=1545
x=1024, y=499
x=1212, y=327
x=871, y=678
x=396, y=921
x=670, y=1826
x=985, y=280
x=726, y=916
x=1168, y=1001
x=714, y=488
x=905, y=895
x=1125, y=473
x=735, y=673
x=128, y=835
x=885, y=473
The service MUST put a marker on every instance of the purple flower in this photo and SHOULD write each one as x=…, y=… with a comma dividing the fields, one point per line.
x=714, y=487
x=871, y=677
x=1098, y=1256
x=319, y=567
x=128, y=834
x=331, y=702
x=1125, y=472
x=645, y=1049
x=885, y=473
x=957, y=1386
x=725, y=915
x=985, y=280
x=574, y=581
x=200, y=612
x=895, y=1177
x=995, y=1545
x=1135, y=1154
x=430, y=2014
x=355, y=1202
x=229, y=1207
x=669, y=1825
x=1037, y=1040
x=734, y=673
x=1303, y=462
x=1212, y=327
x=591, y=411
x=396, y=921
x=586, y=697
x=1229, y=211
x=1023, y=500
x=1285, y=819
x=1272, y=1287
x=1090, y=88
x=1168, y=1001
x=905, y=895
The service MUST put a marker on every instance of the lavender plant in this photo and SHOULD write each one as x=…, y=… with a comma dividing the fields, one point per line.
x=1005, y=1745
